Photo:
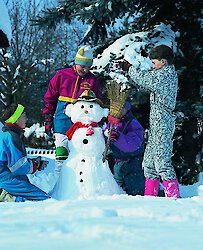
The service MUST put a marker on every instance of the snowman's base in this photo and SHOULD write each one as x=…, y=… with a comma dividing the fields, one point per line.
x=89, y=178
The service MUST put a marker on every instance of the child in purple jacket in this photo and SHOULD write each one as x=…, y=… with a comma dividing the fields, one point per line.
x=127, y=150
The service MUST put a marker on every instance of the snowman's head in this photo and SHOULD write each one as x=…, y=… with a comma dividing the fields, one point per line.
x=86, y=111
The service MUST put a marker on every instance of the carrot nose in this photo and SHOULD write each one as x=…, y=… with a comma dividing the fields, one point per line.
x=86, y=111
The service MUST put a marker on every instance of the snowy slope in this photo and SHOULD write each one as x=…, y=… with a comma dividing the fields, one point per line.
x=119, y=222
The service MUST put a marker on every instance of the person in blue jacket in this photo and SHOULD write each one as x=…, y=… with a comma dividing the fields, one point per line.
x=14, y=163
x=127, y=147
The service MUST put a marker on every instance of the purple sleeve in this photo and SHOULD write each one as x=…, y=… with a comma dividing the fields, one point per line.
x=51, y=96
x=132, y=139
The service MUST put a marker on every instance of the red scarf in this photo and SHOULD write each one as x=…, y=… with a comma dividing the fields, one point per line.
x=78, y=125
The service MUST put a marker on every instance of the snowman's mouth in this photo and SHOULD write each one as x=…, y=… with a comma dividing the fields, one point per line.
x=87, y=118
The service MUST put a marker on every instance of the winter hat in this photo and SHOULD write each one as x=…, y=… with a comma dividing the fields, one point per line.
x=16, y=115
x=84, y=56
x=89, y=96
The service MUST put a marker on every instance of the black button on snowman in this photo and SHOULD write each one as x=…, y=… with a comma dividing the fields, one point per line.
x=85, y=141
x=86, y=145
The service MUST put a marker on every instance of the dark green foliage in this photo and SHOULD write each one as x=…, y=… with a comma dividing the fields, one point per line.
x=98, y=14
x=4, y=43
x=187, y=148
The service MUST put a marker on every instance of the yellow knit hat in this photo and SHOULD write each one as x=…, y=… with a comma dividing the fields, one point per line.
x=84, y=56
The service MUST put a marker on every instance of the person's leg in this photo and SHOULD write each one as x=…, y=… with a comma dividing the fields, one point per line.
x=61, y=125
x=21, y=189
x=6, y=197
x=134, y=176
x=61, y=143
x=152, y=178
x=171, y=188
x=163, y=162
x=151, y=187
x=118, y=175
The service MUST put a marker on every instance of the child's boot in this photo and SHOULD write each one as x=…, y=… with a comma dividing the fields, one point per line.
x=151, y=187
x=171, y=188
x=6, y=197
x=61, y=156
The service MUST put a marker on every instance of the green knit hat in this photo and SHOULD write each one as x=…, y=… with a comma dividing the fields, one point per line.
x=16, y=115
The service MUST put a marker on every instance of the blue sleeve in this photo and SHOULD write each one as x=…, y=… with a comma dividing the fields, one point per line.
x=17, y=163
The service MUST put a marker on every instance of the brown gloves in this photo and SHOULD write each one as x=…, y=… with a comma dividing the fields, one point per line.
x=124, y=65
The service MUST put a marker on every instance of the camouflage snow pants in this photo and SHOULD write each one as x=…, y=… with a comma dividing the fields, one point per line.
x=157, y=157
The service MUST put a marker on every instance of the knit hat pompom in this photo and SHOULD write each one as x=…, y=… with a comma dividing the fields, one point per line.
x=84, y=56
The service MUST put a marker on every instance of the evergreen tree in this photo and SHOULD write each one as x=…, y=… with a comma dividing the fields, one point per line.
x=97, y=14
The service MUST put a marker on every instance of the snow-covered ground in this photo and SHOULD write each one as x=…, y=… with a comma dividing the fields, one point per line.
x=119, y=222
x=107, y=222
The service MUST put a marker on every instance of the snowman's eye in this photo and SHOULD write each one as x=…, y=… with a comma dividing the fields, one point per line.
x=82, y=106
x=91, y=106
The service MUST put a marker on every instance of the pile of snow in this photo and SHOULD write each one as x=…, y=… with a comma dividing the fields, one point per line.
x=47, y=178
x=118, y=222
x=130, y=47
x=36, y=130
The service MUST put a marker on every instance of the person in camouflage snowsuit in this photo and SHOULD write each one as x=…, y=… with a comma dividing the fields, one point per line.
x=162, y=83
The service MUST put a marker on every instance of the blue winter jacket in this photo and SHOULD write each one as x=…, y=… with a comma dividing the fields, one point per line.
x=14, y=165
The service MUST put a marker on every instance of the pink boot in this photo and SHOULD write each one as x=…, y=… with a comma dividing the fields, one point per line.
x=171, y=188
x=151, y=187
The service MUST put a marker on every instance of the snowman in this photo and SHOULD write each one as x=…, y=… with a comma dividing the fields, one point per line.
x=84, y=174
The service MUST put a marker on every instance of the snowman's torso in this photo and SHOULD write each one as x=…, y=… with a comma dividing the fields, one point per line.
x=92, y=145
x=84, y=174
